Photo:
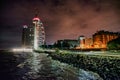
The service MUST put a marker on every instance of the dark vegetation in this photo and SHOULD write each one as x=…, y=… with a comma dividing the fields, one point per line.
x=108, y=67
x=114, y=44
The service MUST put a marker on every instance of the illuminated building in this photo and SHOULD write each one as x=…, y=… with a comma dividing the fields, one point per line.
x=81, y=41
x=27, y=36
x=101, y=38
x=84, y=42
x=39, y=33
x=88, y=43
x=98, y=41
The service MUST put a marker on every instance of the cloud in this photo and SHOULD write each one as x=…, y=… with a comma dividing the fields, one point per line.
x=64, y=18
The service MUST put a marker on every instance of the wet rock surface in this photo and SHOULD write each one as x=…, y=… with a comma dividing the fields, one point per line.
x=38, y=66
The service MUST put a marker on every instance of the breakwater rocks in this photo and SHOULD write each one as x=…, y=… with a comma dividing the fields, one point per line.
x=108, y=67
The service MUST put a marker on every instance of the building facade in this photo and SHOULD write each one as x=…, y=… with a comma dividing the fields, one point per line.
x=101, y=38
x=27, y=36
x=84, y=42
x=39, y=33
x=88, y=43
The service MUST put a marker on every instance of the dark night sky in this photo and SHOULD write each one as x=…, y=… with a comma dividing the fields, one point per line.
x=63, y=19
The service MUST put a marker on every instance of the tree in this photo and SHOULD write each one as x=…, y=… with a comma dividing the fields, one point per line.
x=114, y=44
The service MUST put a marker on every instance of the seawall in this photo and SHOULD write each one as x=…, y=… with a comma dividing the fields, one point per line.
x=108, y=67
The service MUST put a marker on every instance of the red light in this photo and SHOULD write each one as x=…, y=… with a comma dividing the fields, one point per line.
x=36, y=18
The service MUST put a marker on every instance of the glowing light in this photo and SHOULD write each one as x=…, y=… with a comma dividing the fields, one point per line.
x=36, y=19
x=36, y=36
x=35, y=43
x=25, y=26
x=22, y=50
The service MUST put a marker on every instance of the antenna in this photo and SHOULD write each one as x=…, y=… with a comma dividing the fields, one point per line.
x=36, y=12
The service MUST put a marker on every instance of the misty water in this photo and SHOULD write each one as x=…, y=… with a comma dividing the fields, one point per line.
x=39, y=66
